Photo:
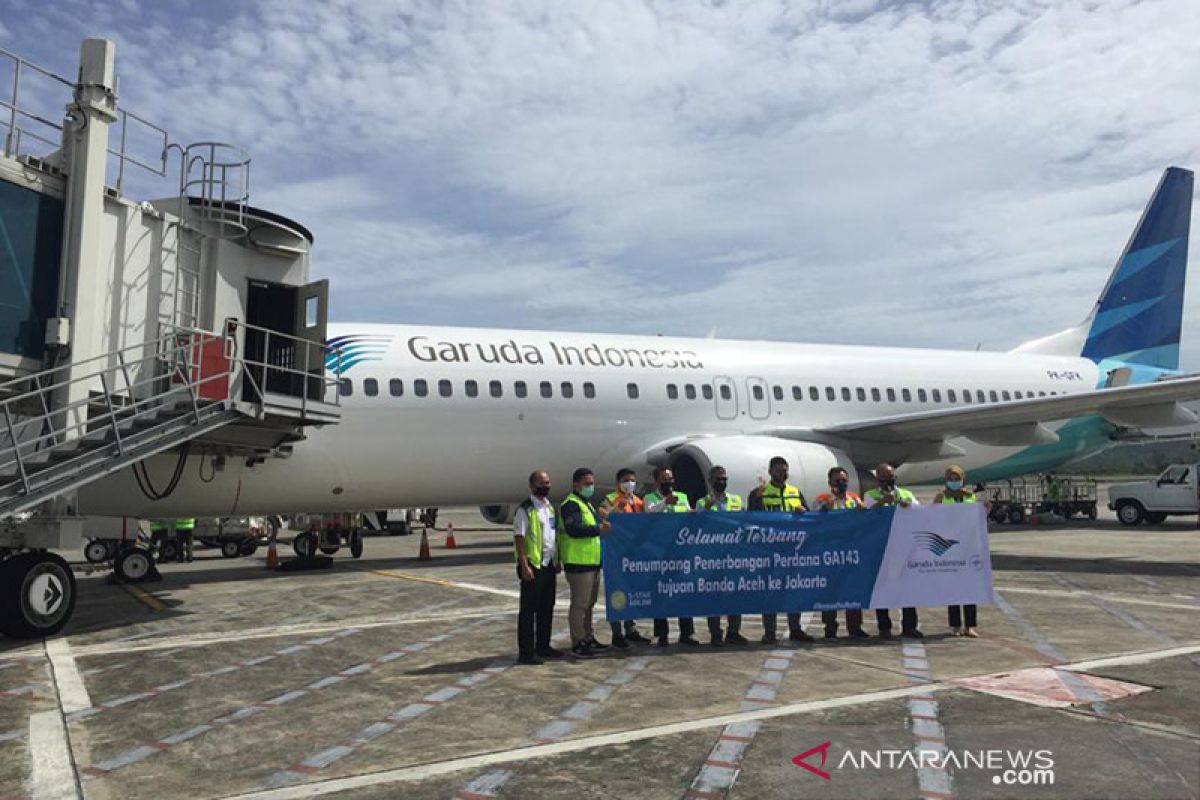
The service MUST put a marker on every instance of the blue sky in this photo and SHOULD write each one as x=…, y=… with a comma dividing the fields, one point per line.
x=928, y=174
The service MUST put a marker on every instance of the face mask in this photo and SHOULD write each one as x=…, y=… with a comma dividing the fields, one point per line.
x=541, y=491
x=719, y=486
x=628, y=486
x=587, y=491
x=782, y=478
x=841, y=486
x=954, y=486
x=667, y=487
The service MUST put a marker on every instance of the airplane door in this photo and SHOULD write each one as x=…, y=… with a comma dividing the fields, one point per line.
x=312, y=313
x=758, y=398
x=726, y=397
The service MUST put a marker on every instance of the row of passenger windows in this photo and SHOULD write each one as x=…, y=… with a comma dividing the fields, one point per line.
x=471, y=388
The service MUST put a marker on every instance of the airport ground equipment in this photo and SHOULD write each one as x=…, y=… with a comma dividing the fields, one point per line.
x=1019, y=500
x=183, y=327
x=233, y=536
x=328, y=533
x=1172, y=493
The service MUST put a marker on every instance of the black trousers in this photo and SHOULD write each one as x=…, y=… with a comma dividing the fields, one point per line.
x=768, y=623
x=908, y=619
x=714, y=626
x=854, y=620
x=957, y=612
x=536, y=611
x=662, y=628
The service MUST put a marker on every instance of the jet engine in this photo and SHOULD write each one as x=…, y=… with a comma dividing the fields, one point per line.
x=745, y=458
x=498, y=514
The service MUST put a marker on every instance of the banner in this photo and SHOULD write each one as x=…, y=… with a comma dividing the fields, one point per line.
x=708, y=563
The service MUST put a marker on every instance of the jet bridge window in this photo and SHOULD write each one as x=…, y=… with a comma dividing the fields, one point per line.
x=689, y=391
x=632, y=390
x=472, y=388
x=420, y=387
x=547, y=390
x=672, y=391
x=495, y=388
x=891, y=395
x=567, y=389
x=757, y=391
x=589, y=390
x=706, y=391
x=778, y=392
x=906, y=395
x=445, y=388
x=345, y=387
x=861, y=394
x=520, y=389
x=370, y=387
x=396, y=387
x=921, y=396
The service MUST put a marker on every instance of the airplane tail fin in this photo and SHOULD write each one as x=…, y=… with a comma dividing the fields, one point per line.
x=1139, y=315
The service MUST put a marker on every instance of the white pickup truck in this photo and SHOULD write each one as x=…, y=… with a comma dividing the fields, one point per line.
x=1172, y=492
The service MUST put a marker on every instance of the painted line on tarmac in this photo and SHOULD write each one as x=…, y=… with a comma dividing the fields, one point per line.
x=356, y=741
x=1134, y=601
x=271, y=632
x=924, y=715
x=142, y=752
x=564, y=724
x=419, y=772
x=228, y=669
x=72, y=691
x=52, y=768
x=474, y=587
x=723, y=764
x=145, y=598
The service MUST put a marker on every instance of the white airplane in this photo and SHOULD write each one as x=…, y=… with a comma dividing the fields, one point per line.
x=444, y=416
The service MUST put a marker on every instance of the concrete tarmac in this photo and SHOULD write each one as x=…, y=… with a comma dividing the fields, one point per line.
x=388, y=677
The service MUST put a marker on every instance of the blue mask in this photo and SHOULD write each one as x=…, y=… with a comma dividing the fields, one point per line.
x=954, y=486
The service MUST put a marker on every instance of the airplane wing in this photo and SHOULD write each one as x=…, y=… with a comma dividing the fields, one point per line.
x=923, y=435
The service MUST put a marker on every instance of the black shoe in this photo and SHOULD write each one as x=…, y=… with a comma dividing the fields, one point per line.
x=663, y=641
x=582, y=650
x=716, y=641
x=636, y=637
x=769, y=638
x=885, y=633
x=620, y=642
x=688, y=640
x=799, y=636
x=830, y=634
x=532, y=661
x=596, y=645
x=859, y=634
x=550, y=652
x=913, y=634
x=736, y=638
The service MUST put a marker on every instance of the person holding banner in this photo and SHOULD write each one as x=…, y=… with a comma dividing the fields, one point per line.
x=624, y=501
x=721, y=500
x=581, y=560
x=778, y=495
x=537, y=565
x=838, y=497
x=954, y=492
x=665, y=499
x=887, y=493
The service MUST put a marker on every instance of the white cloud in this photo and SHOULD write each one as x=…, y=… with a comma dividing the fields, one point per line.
x=817, y=170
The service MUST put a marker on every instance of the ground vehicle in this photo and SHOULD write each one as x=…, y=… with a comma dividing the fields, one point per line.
x=234, y=536
x=1016, y=500
x=327, y=533
x=1152, y=501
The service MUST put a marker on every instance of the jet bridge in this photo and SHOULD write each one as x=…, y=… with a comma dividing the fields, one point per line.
x=131, y=328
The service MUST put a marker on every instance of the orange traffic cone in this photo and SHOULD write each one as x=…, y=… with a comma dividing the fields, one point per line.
x=272, y=556
x=424, y=555
x=450, y=541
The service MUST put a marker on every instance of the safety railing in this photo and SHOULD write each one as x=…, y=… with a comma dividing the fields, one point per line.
x=274, y=363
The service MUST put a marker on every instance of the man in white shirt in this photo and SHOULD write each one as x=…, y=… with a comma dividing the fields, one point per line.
x=535, y=547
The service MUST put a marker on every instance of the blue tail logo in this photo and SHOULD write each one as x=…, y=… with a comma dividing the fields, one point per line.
x=934, y=543
x=1140, y=313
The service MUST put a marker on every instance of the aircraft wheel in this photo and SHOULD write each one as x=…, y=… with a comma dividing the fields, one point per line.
x=134, y=565
x=231, y=548
x=96, y=551
x=37, y=595
x=1130, y=512
x=356, y=544
x=305, y=544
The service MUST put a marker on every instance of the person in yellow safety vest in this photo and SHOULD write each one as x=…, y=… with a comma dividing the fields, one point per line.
x=625, y=501
x=666, y=499
x=719, y=499
x=887, y=493
x=778, y=495
x=184, y=529
x=840, y=497
x=955, y=492
x=580, y=555
x=535, y=540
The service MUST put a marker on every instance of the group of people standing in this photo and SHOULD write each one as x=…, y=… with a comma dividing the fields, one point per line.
x=567, y=539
